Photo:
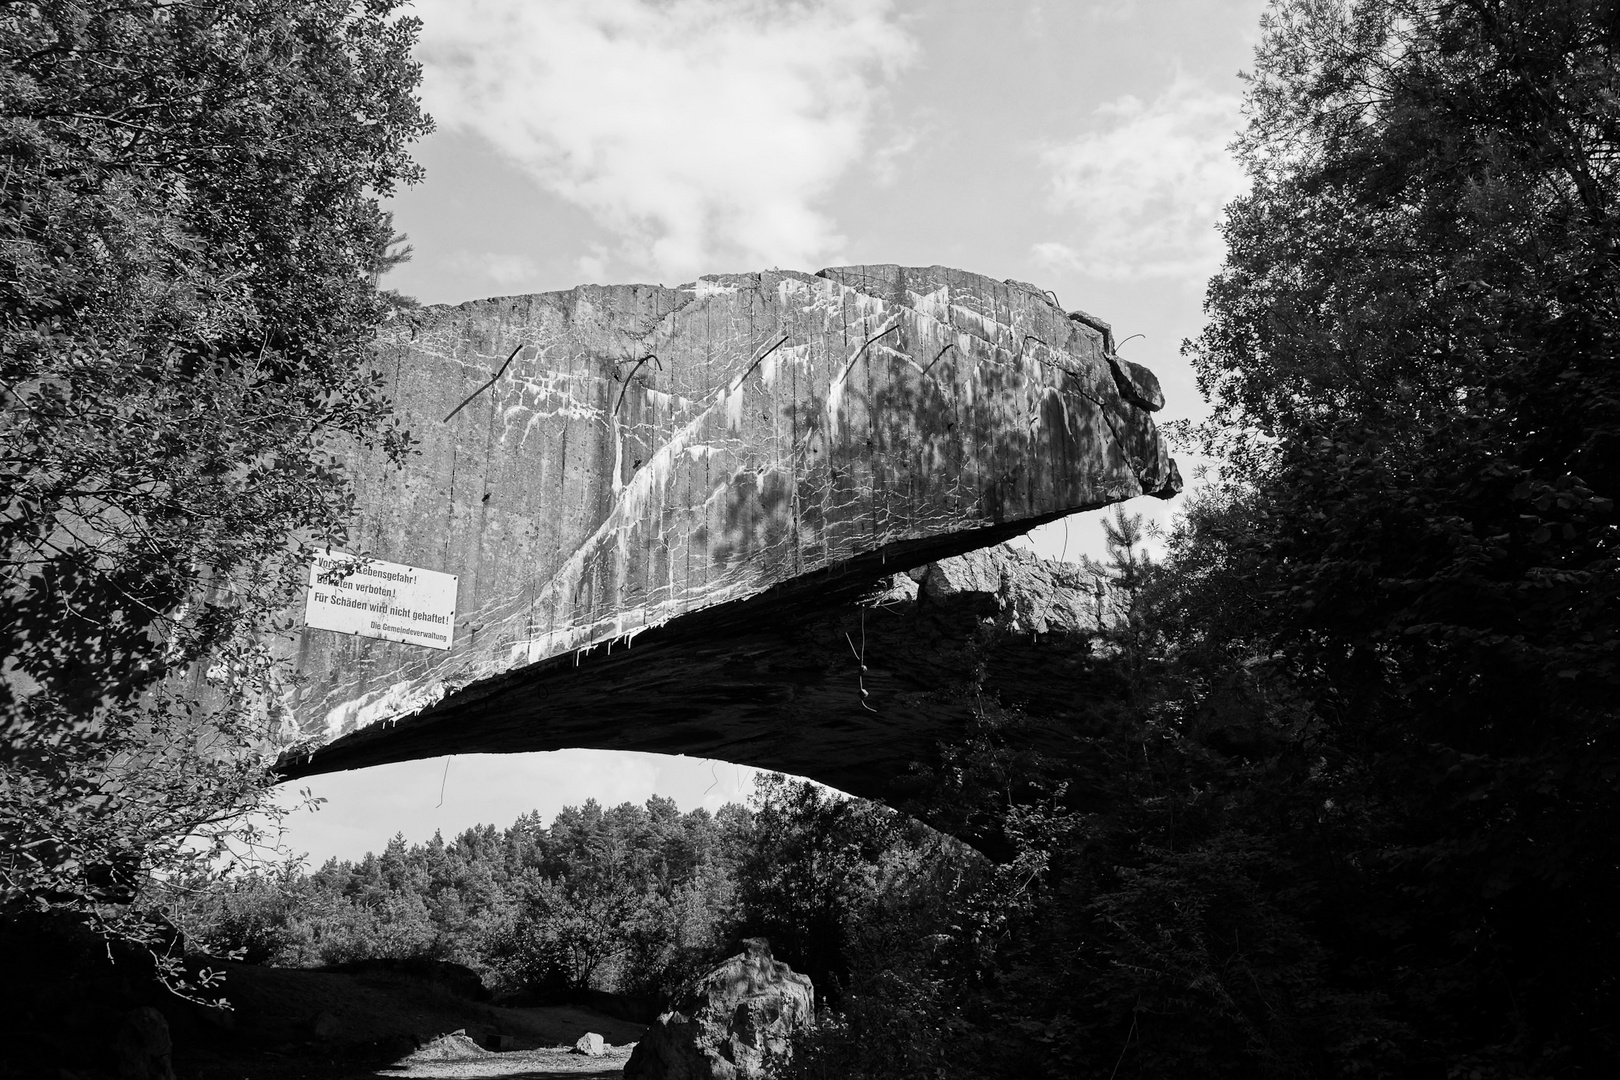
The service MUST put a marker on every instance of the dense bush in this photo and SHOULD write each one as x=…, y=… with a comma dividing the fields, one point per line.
x=630, y=899
x=190, y=235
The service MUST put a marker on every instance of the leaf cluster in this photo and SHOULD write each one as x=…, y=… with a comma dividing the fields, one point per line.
x=189, y=235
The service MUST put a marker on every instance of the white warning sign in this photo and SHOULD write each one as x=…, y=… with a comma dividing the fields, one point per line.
x=373, y=598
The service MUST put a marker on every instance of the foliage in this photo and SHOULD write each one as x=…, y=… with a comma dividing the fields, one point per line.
x=631, y=899
x=813, y=862
x=634, y=900
x=570, y=931
x=187, y=240
x=1350, y=814
x=1411, y=355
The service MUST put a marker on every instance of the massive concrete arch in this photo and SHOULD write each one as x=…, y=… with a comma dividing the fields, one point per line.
x=672, y=513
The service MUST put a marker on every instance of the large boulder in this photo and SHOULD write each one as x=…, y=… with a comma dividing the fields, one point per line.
x=724, y=1024
x=1022, y=592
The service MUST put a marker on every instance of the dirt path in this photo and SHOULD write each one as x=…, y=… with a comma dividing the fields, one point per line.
x=291, y=1024
x=548, y=1064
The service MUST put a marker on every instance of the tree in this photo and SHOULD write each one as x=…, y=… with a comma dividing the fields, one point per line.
x=189, y=227
x=1411, y=355
x=813, y=866
x=1117, y=588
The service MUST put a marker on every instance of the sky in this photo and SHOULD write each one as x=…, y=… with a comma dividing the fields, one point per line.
x=1078, y=146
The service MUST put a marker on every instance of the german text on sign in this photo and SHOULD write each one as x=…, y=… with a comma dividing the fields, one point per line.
x=373, y=598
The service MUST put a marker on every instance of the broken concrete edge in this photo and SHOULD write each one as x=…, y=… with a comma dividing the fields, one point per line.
x=1105, y=329
x=1172, y=485
x=394, y=739
x=1137, y=384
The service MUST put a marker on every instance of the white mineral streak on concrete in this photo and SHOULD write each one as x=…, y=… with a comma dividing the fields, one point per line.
x=645, y=488
x=936, y=305
x=648, y=485
x=882, y=348
x=617, y=478
x=835, y=393
x=703, y=287
x=588, y=636
x=790, y=288
x=548, y=396
x=735, y=397
x=771, y=366
x=400, y=699
x=990, y=331
x=669, y=402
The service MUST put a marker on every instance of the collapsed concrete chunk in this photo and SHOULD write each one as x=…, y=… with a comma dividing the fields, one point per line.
x=603, y=463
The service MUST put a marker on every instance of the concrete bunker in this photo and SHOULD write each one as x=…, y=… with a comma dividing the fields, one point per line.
x=672, y=514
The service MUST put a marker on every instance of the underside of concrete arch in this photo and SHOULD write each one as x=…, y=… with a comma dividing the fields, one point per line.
x=716, y=519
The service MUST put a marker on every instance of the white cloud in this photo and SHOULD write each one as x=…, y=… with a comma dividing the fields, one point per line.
x=505, y=270
x=593, y=265
x=1144, y=189
x=884, y=161
x=693, y=130
x=1114, y=11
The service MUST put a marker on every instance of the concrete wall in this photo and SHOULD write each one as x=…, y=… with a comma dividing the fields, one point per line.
x=649, y=453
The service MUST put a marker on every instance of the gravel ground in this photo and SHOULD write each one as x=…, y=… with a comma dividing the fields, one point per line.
x=545, y=1064
x=292, y=1024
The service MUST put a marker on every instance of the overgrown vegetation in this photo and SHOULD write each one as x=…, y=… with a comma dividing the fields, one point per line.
x=1351, y=812
x=189, y=227
x=633, y=900
x=1359, y=805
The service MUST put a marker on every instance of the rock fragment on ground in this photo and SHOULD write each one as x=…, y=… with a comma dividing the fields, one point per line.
x=726, y=1023
x=456, y=1046
x=590, y=1044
